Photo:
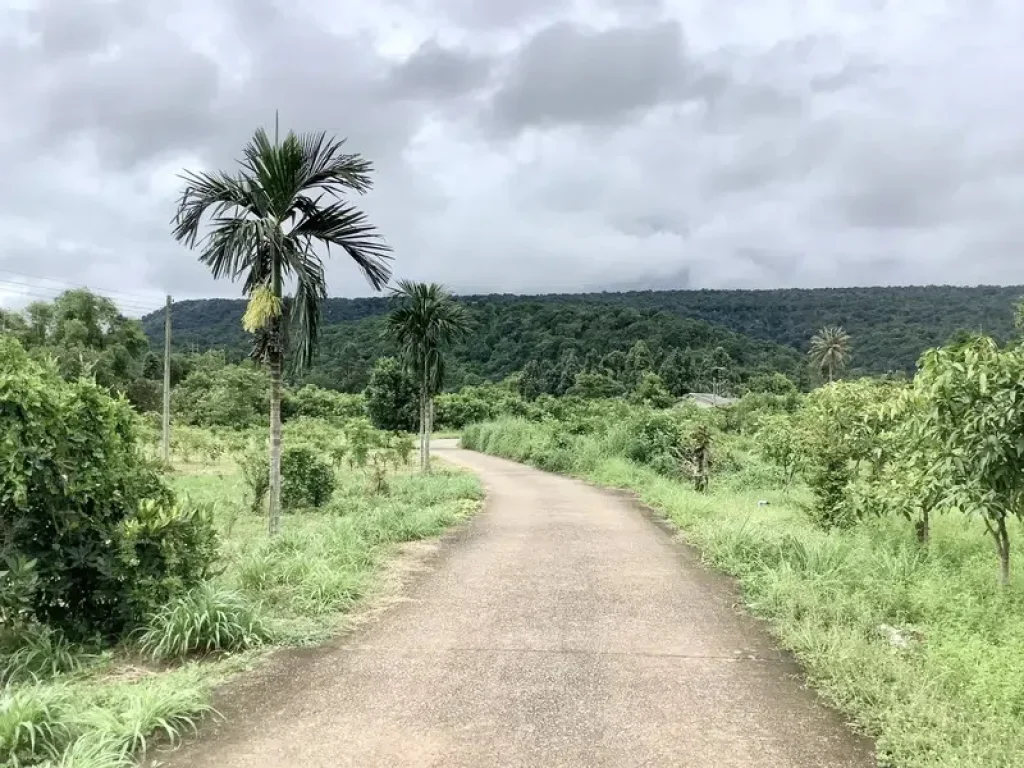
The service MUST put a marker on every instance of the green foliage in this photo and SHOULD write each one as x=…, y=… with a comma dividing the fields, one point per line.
x=315, y=402
x=235, y=396
x=205, y=619
x=507, y=334
x=655, y=437
x=593, y=385
x=30, y=652
x=253, y=465
x=678, y=372
x=650, y=390
x=391, y=399
x=86, y=335
x=975, y=419
x=532, y=381
x=471, y=404
x=78, y=499
x=164, y=549
x=308, y=479
x=830, y=351
x=779, y=444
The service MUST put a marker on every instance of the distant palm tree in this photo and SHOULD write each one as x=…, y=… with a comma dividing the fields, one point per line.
x=830, y=350
x=425, y=321
x=264, y=224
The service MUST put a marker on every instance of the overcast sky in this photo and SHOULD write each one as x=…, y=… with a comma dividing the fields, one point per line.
x=532, y=145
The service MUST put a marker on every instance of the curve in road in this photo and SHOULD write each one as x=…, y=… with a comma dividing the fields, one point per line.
x=561, y=627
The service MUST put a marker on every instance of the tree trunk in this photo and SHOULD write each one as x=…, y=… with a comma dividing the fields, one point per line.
x=275, y=439
x=923, y=528
x=423, y=424
x=1002, y=538
x=428, y=430
x=276, y=354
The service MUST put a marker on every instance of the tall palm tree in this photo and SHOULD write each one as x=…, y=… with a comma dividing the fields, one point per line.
x=830, y=350
x=263, y=225
x=425, y=321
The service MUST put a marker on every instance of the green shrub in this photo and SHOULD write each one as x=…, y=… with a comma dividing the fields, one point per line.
x=78, y=499
x=654, y=435
x=205, y=619
x=392, y=402
x=315, y=402
x=307, y=480
x=165, y=550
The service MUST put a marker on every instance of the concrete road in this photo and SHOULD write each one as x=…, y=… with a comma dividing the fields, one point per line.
x=562, y=627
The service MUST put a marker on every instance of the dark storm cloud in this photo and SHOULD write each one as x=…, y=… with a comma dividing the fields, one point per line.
x=436, y=72
x=584, y=143
x=568, y=73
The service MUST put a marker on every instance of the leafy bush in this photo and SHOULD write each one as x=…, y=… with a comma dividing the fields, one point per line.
x=307, y=480
x=236, y=396
x=654, y=435
x=205, y=619
x=78, y=498
x=164, y=550
x=391, y=397
x=315, y=402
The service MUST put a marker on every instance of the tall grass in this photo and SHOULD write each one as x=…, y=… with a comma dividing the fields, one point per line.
x=952, y=695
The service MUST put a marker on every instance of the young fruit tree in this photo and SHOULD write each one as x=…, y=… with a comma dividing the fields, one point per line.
x=268, y=224
x=975, y=418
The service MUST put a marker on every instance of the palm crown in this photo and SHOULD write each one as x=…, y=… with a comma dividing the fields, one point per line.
x=426, y=321
x=267, y=220
x=830, y=350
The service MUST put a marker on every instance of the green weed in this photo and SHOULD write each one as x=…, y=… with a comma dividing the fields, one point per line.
x=205, y=619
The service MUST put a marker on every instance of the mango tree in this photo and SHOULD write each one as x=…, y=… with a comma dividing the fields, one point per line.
x=975, y=419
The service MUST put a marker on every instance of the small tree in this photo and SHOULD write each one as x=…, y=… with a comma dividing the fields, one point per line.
x=531, y=381
x=778, y=441
x=651, y=391
x=975, y=418
x=830, y=351
x=391, y=397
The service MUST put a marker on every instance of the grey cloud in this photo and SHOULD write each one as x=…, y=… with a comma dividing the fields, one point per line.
x=570, y=74
x=436, y=72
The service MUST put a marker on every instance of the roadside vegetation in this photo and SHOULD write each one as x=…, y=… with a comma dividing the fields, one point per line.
x=127, y=592
x=130, y=586
x=869, y=521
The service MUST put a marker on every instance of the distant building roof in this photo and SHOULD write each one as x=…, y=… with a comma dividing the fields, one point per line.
x=708, y=400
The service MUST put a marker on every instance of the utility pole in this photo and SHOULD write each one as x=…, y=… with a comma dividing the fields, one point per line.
x=167, y=382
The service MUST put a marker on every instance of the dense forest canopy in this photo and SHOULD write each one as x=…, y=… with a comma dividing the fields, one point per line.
x=889, y=327
x=505, y=337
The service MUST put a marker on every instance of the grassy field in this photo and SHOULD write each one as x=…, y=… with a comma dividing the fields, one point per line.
x=921, y=648
x=296, y=589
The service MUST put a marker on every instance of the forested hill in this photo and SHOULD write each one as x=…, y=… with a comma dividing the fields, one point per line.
x=889, y=327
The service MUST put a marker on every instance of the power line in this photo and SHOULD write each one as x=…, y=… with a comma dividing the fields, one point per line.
x=49, y=293
x=76, y=285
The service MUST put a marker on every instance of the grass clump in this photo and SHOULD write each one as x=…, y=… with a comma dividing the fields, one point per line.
x=38, y=652
x=205, y=619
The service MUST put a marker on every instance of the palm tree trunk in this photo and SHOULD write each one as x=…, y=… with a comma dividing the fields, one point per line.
x=423, y=423
x=429, y=429
x=275, y=441
x=276, y=353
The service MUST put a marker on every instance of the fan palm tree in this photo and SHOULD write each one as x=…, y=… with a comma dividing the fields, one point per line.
x=830, y=350
x=425, y=321
x=263, y=225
